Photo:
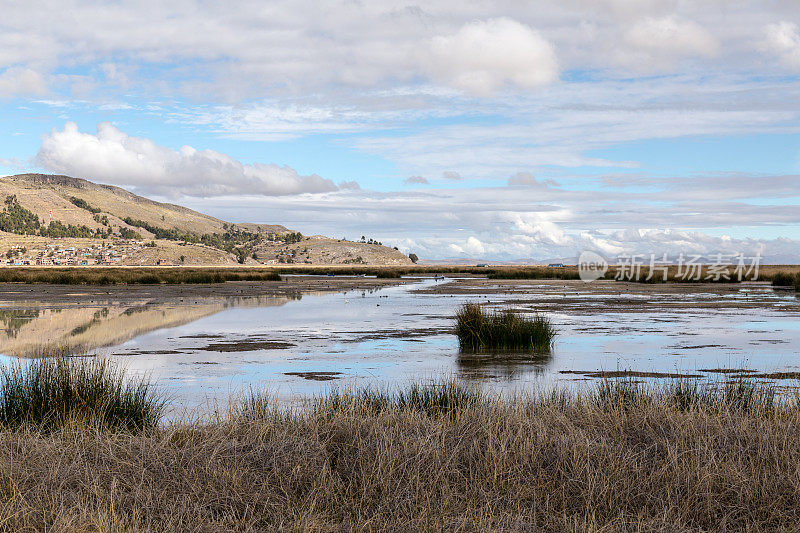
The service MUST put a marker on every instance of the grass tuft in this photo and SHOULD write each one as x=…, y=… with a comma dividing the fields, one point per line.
x=478, y=330
x=686, y=395
x=48, y=393
x=433, y=399
x=785, y=279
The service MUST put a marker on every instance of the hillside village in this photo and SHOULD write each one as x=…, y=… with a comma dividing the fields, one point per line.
x=55, y=254
x=50, y=220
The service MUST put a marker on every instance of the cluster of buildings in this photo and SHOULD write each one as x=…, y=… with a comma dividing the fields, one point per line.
x=58, y=255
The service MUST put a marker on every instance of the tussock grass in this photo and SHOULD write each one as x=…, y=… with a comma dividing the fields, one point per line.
x=730, y=396
x=478, y=329
x=619, y=458
x=434, y=398
x=786, y=279
x=48, y=393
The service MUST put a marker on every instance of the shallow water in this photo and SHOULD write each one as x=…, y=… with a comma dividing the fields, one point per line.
x=202, y=351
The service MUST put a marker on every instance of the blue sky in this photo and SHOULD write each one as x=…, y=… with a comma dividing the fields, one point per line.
x=491, y=131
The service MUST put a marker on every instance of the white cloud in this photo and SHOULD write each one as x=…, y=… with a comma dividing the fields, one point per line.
x=526, y=179
x=292, y=47
x=657, y=43
x=415, y=180
x=783, y=39
x=20, y=81
x=114, y=157
x=485, y=56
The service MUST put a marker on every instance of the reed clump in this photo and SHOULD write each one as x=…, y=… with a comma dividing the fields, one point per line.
x=388, y=274
x=786, y=280
x=478, y=329
x=48, y=393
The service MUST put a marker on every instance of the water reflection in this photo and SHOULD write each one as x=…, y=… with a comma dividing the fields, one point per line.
x=72, y=329
x=501, y=365
x=201, y=348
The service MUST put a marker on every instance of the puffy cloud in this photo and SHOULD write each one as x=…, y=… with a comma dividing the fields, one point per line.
x=658, y=43
x=783, y=39
x=112, y=156
x=20, y=81
x=415, y=180
x=485, y=56
x=451, y=175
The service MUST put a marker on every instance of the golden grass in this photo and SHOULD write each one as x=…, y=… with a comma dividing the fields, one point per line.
x=605, y=461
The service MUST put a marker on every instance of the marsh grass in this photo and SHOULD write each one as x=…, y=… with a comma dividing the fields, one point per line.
x=737, y=395
x=433, y=457
x=48, y=393
x=535, y=273
x=135, y=275
x=432, y=398
x=786, y=280
x=437, y=456
x=478, y=329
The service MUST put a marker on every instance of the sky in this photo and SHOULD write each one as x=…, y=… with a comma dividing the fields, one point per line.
x=479, y=130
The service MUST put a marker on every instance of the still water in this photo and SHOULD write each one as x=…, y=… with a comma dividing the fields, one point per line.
x=203, y=351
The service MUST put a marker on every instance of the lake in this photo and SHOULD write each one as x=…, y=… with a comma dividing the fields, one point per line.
x=202, y=350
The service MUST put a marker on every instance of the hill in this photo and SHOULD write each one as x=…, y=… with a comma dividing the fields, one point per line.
x=65, y=220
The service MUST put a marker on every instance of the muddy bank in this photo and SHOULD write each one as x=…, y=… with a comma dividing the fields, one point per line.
x=610, y=296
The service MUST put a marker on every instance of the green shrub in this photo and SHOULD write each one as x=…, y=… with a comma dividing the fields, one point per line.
x=83, y=204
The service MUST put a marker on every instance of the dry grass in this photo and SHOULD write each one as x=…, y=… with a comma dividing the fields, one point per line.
x=177, y=274
x=133, y=275
x=618, y=459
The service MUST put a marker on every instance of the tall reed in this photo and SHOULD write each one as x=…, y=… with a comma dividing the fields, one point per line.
x=478, y=329
x=785, y=279
x=47, y=393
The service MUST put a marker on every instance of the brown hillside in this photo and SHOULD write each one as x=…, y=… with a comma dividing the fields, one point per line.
x=49, y=197
x=46, y=194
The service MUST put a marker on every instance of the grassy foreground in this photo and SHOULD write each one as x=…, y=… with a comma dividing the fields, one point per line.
x=434, y=457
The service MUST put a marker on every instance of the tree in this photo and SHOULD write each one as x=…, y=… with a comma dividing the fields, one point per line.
x=413, y=258
x=183, y=258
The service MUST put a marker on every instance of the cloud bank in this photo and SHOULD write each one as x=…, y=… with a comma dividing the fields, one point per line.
x=112, y=156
